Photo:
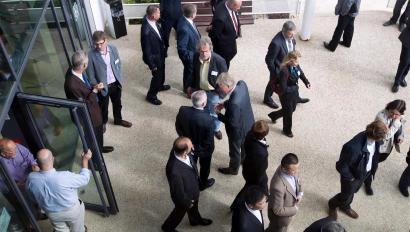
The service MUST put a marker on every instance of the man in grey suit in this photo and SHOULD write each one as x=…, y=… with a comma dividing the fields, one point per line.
x=104, y=66
x=347, y=11
x=238, y=118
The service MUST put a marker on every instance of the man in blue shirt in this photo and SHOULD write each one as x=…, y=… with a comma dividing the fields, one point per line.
x=56, y=192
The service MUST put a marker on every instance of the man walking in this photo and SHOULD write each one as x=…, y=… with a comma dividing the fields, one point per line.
x=404, y=64
x=396, y=14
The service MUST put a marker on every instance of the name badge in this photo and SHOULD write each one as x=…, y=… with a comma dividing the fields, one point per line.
x=116, y=61
x=214, y=73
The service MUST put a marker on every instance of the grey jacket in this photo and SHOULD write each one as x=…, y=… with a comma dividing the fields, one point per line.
x=394, y=127
x=97, y=70
x=343, y=7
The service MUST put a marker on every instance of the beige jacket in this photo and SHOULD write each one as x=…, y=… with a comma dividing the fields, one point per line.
x=394, y=126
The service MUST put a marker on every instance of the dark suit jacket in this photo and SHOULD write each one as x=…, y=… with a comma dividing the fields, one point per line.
x=187, y=39
x=238, y=116
x=170, y=9
x=354, y=157
x=405, y=36
x=245, y=221
x=76, y=89
x=183, y=181
x=153, y=48
x=223, y=32
x=289, y=82
x=317, y=225
x=217, y=65
x=276, y=53
x=256, y=162
x=198, y=126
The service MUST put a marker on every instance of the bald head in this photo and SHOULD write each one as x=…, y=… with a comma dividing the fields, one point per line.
x=182, y=146
x=8, y=148
x=45, y=159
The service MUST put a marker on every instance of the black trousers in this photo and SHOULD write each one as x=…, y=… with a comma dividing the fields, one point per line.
x=178, y=214
x=267, y=97
x=114, y=93
x=236, y=153
x=345, y=27
x=188, y=72
x=404, y=65
x=221, y=50
x=345, y=197
x=167, y=25
x=404, y=182
x=205, y=167
x=157, y=81
x=288, y=102
x=397, y=11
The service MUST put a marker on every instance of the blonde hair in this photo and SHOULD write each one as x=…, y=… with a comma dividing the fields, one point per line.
x=293, y=55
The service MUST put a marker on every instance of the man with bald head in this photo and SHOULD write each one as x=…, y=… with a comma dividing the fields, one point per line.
x=56, y=192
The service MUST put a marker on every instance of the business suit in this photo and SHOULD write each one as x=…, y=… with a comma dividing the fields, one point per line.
x=282, y=202
x=277, y=51
x=352, y=168
x=319, y=224
x=404, y=64
x=397, y=11
x=187, y=40
x=153, y=55
x=183, y=182
x=244, y=221
x=224, y=32
x=171, y=12
x=238, y=119
x=196, y=124
x=97, y=72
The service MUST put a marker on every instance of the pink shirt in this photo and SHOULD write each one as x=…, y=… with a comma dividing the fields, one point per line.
x=107, y=61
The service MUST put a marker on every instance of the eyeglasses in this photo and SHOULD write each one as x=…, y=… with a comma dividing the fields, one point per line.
x=100, y=43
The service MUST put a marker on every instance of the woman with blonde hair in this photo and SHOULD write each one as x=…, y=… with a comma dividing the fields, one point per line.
x=288, y=90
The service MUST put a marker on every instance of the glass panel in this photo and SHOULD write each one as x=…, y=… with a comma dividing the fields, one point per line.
x=6, y=80
x=17, y=22
x=47, y=64
x=78, y=23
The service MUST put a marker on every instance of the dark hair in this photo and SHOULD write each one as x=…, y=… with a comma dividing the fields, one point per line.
x=398, y=105
x=332, y=226
x=376, y=130
x=189, y=10
x=254, y=194
x=180, y=145
x=289, y=159
x=260, y=129
x=98, y=36
x=151, y=9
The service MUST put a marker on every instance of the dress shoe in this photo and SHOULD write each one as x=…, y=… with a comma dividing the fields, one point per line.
x=303, y=100
x=404, y=192
x=403, y=83
x=168, y=230
x=218, y=135
x=395, y=88
x=271, y=104
x=164, y=88
x=388, y=23
x=107, y=149
x=228, y=171
x=155, y=101
x=123, y=123
x=402, y=26
x=203, y=222
x=326, y=45
x=208, y=184
x=272, y=117
x=351, y=213
x=289, y=134
x=343, y=44
x=333, y=213
x=368, y=190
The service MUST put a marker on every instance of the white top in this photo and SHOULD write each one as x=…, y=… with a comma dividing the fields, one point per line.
x=107, y=60
x=256, y=213
x=289, y=44
x=185, y=161
x=79, y=75
x=153, y=24
x=371, y=147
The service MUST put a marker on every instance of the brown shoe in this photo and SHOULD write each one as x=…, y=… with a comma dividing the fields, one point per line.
x=218, y=135
x=333, y=213
x=124, y=123
x=351, y=213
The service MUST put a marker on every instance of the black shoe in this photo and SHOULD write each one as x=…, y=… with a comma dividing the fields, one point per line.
x=155, y=101
x=404, y=192
x=388, y=23
x=271, y=104
x=344, y=44
x=168, y=230
x=107, y=149
x=368, y=190
x=326, y=45
x=164, y=88
x=395, y=88
x=402, y=26
x=289, y=134
x=228, y=171
x=123, y=123
x=203, y=222
x=272, y=117
x=303, y=100
x=403, y=83
x=218, y=135
x=208, y=184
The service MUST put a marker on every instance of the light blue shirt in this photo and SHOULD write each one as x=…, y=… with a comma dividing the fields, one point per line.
x=56, y=191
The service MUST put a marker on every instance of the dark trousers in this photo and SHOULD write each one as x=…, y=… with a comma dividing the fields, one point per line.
x=288, y=102
x=188, y=72
x=167, y=25
x=345, y=27
x=114, y=93
x=404, y=65
x=236, y=153
x=222, y=51
x=345, y=197
x=178, y=214
x=397, y=11
x=269, y=90
x=157, y=81
x=205, y=167
x=404, y=182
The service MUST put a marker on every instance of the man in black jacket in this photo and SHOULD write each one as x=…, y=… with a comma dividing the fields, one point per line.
x=183, y=182
x=405, y=178
x=357, y=159
x=154, y=52
x=327, y=224
x=196, y=124
x=404, y=64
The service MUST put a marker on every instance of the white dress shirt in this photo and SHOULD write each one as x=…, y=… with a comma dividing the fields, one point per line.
x=153, y=24
x=107, y=60
x=79, y=75
x=185, y=161
x=371, y=147
x=256, y=213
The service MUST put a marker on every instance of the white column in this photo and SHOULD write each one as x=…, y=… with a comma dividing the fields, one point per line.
x=308, y=15
x=96, y=14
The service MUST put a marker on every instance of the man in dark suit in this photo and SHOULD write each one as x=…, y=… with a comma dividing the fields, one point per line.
x=226, y=28
x=327, y=224
x=256, y=159
x=357, y=159
x=283, y=43
x=78, y=87
x=347, y=11
x=104, y=66
x=171, y=12
x=247, y=217
x=404, y=182
x=404, y=64
x=187, y=39
x=238, y=118
x=183, y=182
x=207, y=66
x=396, y=14
x=196, y=124
x=154, y=52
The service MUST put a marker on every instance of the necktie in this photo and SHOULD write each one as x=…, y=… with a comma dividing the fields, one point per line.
x=86, y=82
x=235, y=22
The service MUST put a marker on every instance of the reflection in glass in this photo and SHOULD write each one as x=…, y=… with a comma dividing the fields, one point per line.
x=6, y=78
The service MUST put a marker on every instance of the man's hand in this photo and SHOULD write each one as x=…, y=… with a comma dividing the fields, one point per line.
x=87, y=156
x=298, y=199
x=35, y=168
x=218, y=108
x=308, y=86
x=189, y=91
x=399, y=141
